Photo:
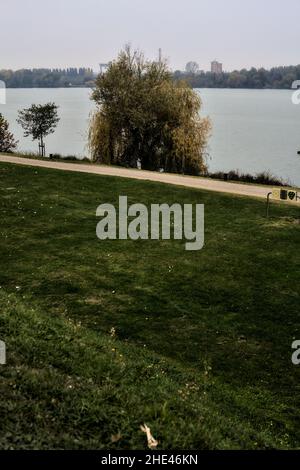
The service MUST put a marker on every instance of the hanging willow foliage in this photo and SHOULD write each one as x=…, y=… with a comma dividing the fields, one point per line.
x=142, y=116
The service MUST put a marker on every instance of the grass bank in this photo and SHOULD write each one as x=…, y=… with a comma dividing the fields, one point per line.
x=104, y=336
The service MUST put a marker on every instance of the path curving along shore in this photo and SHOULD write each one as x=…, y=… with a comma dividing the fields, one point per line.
x=169, y=178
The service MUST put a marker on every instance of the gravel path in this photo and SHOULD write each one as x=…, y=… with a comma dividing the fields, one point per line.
x=180, y=180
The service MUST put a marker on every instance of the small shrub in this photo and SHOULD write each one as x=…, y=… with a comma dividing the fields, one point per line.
x=7, y=141
x=260, y=178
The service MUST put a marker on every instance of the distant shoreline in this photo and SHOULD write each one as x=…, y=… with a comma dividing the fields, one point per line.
x=276, y=78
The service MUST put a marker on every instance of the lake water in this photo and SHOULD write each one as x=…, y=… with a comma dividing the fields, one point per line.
x=253, y=130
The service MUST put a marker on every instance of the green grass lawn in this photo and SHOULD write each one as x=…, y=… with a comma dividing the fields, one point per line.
x=202, y=349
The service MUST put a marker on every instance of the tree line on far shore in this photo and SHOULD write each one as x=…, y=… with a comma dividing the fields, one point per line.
x=276, y=78
x=48, y=78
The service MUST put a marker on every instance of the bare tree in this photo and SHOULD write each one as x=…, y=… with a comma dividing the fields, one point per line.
x=192, y=67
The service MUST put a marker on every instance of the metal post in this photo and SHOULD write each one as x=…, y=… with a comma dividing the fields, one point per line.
x=268, y=204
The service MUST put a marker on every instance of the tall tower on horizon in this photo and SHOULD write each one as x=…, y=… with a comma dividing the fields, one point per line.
x=160, y=55
x=216, y=67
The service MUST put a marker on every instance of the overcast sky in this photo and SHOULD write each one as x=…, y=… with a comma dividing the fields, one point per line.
x=66, y=33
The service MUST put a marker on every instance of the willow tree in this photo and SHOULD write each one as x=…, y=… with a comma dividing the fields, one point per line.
x=143, y=116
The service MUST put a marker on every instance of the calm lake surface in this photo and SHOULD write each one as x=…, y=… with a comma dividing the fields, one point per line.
x=253, y=130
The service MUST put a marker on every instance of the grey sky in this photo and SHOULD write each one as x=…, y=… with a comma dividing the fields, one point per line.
x=61, y=33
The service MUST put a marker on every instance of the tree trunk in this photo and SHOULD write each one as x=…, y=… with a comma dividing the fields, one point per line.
x=42, y=152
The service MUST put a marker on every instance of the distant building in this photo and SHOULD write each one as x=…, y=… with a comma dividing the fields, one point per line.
x=216, y=67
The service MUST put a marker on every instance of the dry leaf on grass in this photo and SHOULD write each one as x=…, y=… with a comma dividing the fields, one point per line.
x=116, y=437
x=152, y=443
